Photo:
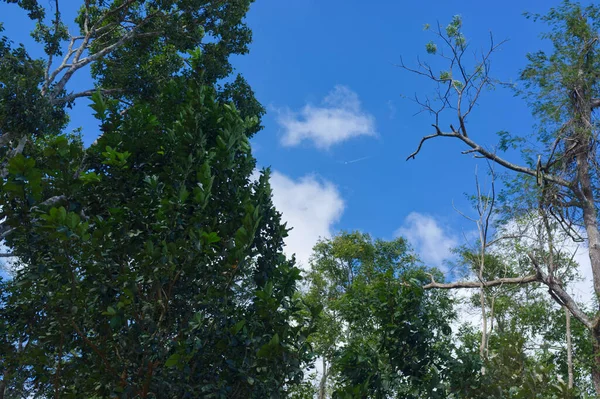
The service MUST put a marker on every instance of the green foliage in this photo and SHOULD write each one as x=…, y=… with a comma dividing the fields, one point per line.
x=139, y=65
x=526, y=355
x=379, y=331
x=23, y=109
x=158, y=271
x=431, y=48
x=134, y=47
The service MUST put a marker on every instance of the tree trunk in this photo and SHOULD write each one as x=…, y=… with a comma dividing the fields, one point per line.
x=569, y=348
x=323, y=383
x=596, y=365
x=585, y=192
x=3, y=384
x=483, y=345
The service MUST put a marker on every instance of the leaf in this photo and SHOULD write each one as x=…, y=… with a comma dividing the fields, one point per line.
x=210, y=238
x=431, y=48
x=238, y=326
x=89, y=177
x=98, y=105
x=173, y=360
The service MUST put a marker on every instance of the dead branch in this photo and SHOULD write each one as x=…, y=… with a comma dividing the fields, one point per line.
x=560, y=295
x=488, y=155
x=88, y=93
x=478, y=284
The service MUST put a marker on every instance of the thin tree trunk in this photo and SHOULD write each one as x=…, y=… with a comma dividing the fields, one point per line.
x=487, y=341
x=569, y=348
x=483, y=344
x=3, y=384
x=323, y=383
x=596, y=366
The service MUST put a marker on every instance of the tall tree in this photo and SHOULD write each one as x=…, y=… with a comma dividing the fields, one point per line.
x=149, y=264
x=159, y=271
x=380, y=334
x=564, y=92
x=132, y=47
x=526, y=331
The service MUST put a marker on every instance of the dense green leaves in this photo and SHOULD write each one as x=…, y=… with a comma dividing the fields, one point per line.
x=23, y=109
x=159, y=271
x=380, y=333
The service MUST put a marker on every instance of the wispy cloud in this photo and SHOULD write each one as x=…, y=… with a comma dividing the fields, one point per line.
x=339, y=118
x=391, y=109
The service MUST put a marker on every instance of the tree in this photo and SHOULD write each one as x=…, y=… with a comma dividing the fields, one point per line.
x=380, y=334
x=149, y=264
x=159, y=272
x=526, y=333
x=563, y=90
x=132, y=47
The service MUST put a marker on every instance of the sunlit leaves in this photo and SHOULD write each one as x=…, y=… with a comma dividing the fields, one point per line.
x=431, y=48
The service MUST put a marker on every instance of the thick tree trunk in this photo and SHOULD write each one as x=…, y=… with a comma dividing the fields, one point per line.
x=590, y=215
x=591, y=226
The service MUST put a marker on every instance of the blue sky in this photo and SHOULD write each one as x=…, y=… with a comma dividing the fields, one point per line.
x=338, y=129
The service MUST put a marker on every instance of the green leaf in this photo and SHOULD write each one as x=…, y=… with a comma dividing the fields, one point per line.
x=173, y=360
x=431, y=48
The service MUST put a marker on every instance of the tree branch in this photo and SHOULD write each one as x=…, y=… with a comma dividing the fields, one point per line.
x=85, y=93
x=489, y=155
x=78, y=63
x=561, y=296
x=94, y=348
x=478, y=284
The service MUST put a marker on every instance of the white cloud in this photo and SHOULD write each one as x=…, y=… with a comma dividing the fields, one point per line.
x=434, y=243
x=582, y=290
x=431, y=241
x=340, y=118
x=310, y=206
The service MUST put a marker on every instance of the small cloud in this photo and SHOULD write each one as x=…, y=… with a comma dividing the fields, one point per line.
x=340, y=118
x=432, y=242
x=391, y=109
x=311, y=207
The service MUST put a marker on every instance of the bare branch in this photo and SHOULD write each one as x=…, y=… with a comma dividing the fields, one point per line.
x=6, y=231
x=92, y=34
x=423, y=140
x=86, y=93
x=489, y=155
x=560, y=295
x=6, y=138
x=52, y=201
x=478, y=284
